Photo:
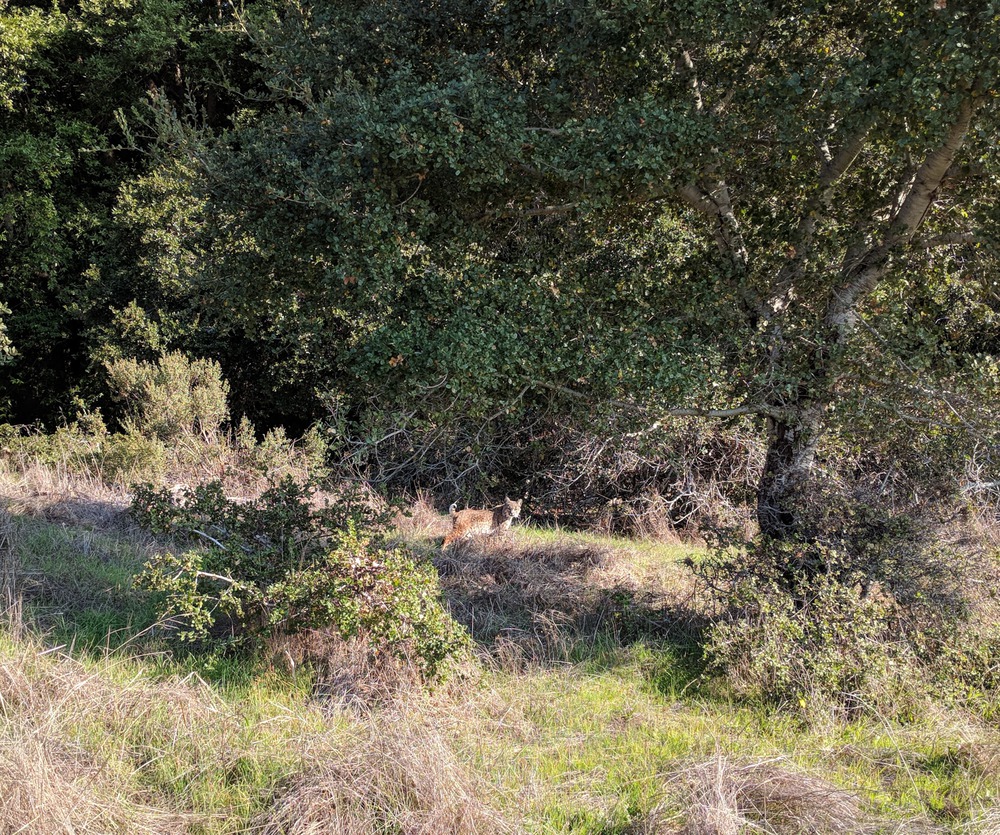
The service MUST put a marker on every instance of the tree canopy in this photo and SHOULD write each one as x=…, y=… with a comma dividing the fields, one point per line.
x=457, y=210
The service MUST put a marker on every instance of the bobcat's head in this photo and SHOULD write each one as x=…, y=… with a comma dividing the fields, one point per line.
x=513, y=508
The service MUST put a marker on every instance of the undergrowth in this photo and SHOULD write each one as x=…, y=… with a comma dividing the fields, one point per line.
x=281, y=564
x=589, y=712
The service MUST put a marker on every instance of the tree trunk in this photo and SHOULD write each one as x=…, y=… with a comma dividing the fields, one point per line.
x=791, y=453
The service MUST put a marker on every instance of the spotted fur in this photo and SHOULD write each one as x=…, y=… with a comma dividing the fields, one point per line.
x=473, y=522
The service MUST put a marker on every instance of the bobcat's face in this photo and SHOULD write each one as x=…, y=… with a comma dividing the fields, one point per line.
x=514, y=508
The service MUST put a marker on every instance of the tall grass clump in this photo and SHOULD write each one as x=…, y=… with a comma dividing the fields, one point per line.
x=399, y=775
x=725, y=796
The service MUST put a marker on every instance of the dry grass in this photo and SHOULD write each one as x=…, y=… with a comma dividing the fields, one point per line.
x=349, y=673
x=556, y=747
x=57, y=494
x=90, y=749
x=10, y=597
x=52, y=474
x=534, y=599
x=988, y=823
x=422, y=519
x=725, y=797
x=398, y=774
x=52, y=780
x=47, y=787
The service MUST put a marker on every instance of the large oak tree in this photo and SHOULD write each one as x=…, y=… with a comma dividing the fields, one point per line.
x=686, y=208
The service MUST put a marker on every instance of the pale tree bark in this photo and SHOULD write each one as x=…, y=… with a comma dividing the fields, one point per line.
x=796, y=423
x=795, y=435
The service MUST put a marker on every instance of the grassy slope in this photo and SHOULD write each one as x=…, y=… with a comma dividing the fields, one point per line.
x=589, y=718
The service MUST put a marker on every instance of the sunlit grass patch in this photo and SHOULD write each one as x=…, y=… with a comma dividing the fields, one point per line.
x=170, y=743
x=78, y=583
x=597, y=749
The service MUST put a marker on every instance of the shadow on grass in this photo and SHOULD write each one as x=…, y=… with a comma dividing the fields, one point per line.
x=76, y=590
x=76, y=584
x=571, y=601
x=524, y=603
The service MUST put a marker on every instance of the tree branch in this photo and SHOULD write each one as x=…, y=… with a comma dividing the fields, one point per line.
x=541, y=211
x=211, y=539
x=932, y=172
x=208, y=575
x=835, y=167
x=862, y=275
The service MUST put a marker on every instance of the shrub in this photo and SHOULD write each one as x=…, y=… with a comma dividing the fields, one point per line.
x=85, y=447
x=830, y=639
x=862, y=606
x=276, y=455
x=279, y=565
x=174, y=397
x=129, y=457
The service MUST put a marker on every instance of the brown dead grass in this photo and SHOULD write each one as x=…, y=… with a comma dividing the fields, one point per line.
x=398, y=775
x=57, y=495
x=422, y=519
x=52, y=782
x=10, y=596
x=987, y=823
x=47, y=786
x=350, y=673
x=531, y=601
x=726, y=797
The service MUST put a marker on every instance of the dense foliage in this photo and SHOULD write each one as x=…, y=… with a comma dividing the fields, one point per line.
x=442, y=222
x=276, y=565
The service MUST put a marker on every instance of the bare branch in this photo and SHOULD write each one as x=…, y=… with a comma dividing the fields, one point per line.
x=835, y=167
x=208, y=575
x=697, y=199
x=694, y=83
x=211, y=539
x=541, y=211
x=841, y=162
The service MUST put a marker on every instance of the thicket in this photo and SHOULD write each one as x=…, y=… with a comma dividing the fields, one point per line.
x=876, y=607
x=278, y=565
x=652, y=265
x=269, y=562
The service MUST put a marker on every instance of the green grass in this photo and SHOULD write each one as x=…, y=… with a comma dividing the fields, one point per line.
x=78, y=585
x=611, y=738
x=590, y=745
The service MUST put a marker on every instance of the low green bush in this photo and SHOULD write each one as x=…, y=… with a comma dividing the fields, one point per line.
x=866, y=608
x=127, y=457
x=278, y=565
x=834, y=641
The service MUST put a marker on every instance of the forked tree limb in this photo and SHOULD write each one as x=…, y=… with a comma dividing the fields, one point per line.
x=864, y=273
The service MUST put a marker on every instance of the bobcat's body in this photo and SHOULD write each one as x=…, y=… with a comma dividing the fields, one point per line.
x=467, y=523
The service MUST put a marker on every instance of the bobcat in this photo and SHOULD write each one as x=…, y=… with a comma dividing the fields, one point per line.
x=466, y=523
